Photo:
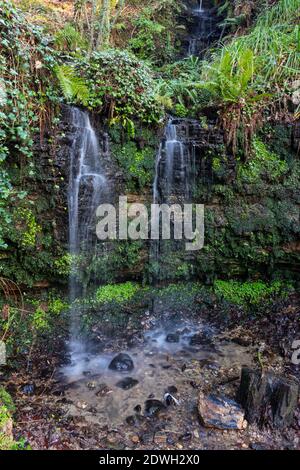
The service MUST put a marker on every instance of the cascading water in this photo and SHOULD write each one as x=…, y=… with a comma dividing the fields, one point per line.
x=175, y=164
x=87, y=186
x=202, y=31
x=175, y=171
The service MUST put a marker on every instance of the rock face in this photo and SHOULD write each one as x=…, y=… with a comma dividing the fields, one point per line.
x=220, y=412
x=122, y=363
x=268, y=398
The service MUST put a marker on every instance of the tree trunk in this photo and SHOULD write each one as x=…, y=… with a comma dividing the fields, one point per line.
x=267, y=398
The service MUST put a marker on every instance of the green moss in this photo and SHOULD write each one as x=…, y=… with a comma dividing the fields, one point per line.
x=137, y=165
x=263, y=164
x=29, y=229
x=9, y=444
x=248, y=294
x=117, y=293
x=6, y=400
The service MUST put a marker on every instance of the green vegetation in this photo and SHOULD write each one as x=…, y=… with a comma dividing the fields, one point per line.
x=6, y=401
x=7, y=408
x=255, y=70
x=118, y=293
x=264, y=165
x=249, y=294
x=112, y=82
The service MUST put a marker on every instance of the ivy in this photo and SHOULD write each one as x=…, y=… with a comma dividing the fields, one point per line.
x=120, y=86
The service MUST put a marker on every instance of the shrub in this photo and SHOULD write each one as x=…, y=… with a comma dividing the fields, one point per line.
x=114, y=83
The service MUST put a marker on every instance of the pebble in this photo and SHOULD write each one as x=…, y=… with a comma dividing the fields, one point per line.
x=135, y=439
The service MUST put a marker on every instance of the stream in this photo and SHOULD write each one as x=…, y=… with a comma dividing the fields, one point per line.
x=164, y=361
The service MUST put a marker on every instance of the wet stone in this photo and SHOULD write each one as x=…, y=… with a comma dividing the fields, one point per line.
x=103, y=390
x=172, y=338
x=127, y=383
x=28, y=389
x=200, y=340
x=220, y=412
x=121, y=363
x=138, y=408
x=172, y=389
x=131, y=420
x=153, y=407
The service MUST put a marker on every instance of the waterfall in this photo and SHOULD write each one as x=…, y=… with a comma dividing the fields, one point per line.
x=175, y=164
x=201, y=32
x=175, y=171
x=87, y=186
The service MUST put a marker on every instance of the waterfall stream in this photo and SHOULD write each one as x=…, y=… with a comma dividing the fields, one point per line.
x=87, y=186
x=202, y=30
x=175, y=168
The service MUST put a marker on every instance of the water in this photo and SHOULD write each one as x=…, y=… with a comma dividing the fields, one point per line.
x=87, y=186
x=174, y=182
x=201, y=32
x=92, y=389
x=175, y=164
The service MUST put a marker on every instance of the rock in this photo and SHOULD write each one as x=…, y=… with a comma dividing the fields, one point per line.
x=131, y=420
x=153, y=407
x=268, y=398
x=82, y=405
x=91, y=385
x=172, y=389
x=121, y=363
x=185, y=437
x=28, y=389
x=257, y=446
x=220, y=412
x=127, y=383
x=160, y=438
x=170, y=400
x=245, y=342
x=135, y=439
x=172, y=338
x=103, y=390
x=200, y=340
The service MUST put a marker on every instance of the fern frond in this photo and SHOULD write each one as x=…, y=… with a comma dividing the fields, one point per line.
x=69, y=39
x=73, y=87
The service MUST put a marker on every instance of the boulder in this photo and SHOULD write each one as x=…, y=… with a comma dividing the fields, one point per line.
x=121, y=363
x=220, y=412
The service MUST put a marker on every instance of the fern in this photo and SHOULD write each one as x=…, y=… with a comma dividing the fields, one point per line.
x=73, y=87
x=231, y=76
x=69, y=39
